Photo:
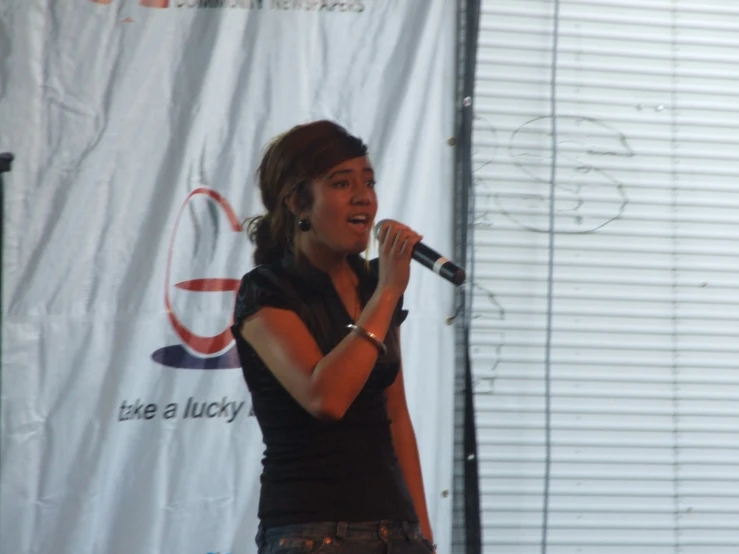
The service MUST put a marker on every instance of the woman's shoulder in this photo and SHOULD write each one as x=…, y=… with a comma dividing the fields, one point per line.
x=264, y=274
x=266, y=285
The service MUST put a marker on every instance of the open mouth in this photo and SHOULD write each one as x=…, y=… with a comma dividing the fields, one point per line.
x=360, y=222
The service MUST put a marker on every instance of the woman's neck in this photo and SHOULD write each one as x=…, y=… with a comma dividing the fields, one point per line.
x=330, y=262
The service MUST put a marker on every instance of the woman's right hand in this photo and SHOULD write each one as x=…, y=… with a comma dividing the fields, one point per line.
x=396, y=247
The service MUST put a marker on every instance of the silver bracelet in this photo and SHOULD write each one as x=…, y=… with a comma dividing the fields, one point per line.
x=374, y=339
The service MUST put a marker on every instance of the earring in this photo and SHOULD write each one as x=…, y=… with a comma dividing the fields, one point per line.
x=303, y=224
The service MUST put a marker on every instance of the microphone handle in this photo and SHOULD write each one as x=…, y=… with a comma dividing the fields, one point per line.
x=438, y=264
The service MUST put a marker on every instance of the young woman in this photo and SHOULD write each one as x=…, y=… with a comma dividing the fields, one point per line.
x=317, y=331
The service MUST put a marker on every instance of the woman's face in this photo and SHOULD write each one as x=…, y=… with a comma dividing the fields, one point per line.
x=344, y=206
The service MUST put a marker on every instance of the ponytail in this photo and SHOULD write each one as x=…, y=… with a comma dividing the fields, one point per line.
x=268, y=246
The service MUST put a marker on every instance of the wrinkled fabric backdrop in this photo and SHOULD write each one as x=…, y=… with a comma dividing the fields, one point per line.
x=137, y=130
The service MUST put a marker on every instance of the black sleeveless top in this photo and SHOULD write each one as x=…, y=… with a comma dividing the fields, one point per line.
x=316, y=470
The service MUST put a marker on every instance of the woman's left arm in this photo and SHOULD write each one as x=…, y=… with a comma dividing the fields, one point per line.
x=406, y=449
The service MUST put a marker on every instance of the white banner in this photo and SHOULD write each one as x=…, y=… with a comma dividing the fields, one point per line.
x=137, y=133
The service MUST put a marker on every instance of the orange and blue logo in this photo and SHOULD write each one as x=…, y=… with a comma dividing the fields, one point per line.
x=144, y=3
x=196, y=350
x=246, y=4
x=345, y=6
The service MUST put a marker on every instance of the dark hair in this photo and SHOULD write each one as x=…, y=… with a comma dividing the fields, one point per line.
x=290, y=162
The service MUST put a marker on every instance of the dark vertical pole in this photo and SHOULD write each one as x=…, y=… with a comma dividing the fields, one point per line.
x=468, y=62
x=6, y=160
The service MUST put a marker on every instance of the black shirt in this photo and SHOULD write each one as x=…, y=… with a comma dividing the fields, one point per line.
x=315, y=470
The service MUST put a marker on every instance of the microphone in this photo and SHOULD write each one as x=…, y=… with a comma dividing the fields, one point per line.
x=432, y=260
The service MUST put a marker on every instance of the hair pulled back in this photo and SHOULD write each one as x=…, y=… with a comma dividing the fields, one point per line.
x=290, y=163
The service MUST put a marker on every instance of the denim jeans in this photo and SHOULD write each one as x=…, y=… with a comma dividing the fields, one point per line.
x=377, y=537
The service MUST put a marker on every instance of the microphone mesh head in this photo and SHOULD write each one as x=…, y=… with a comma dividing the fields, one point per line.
x=379, y=225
